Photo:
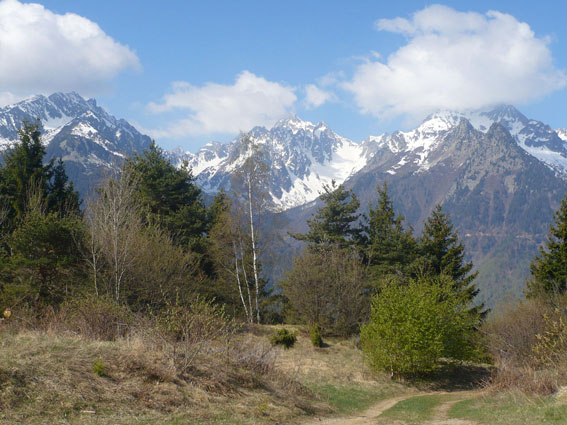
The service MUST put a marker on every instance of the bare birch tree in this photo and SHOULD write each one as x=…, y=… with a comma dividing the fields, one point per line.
x=114, y=224
x=249, y=181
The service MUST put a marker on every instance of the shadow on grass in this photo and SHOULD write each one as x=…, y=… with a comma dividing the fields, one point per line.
x=452, y=376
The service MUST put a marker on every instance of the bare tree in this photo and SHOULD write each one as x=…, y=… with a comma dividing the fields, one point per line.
x=114, y=223
x=250, y=179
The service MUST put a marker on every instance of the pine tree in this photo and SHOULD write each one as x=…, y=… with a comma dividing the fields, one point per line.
x=169, y=196
x=389, y=247
x=334, y=222
x=549, y=268
x=25, y=173
x=44, y=257
x=40, y=224
x=445, y=254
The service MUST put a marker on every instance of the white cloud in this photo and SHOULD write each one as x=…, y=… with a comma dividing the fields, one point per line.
x=43, y=52
x=218, y=108
x=455, y=60
x=315, y=97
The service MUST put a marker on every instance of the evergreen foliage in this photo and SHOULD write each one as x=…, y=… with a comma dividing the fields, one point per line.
x=44, y=260
x=168, y=196
x=315, y=336
x=334, y=223
x=24, y=173
x=549, y=268
x=443, y=253
x=390, y=248
x=412, y=326
x=284, y=337
x=40, y=226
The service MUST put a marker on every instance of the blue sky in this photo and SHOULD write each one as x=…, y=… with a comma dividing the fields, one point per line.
x=187, y=72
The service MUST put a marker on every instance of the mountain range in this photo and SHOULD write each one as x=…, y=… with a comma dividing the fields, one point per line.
x=88, y=139
x=497, y=173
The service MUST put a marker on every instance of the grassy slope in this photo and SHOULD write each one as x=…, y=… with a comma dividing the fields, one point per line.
x=50, y=379
x=47, y=378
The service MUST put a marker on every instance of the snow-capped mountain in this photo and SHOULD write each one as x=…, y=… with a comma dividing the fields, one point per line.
x=301, y=156
x=414, y=147
x=84, y=135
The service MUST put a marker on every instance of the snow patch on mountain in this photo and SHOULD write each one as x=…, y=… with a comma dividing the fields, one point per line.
x=536, y=138
x=302, y=157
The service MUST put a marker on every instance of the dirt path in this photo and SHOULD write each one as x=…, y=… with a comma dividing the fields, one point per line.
x=364, y=418
x=370, y=416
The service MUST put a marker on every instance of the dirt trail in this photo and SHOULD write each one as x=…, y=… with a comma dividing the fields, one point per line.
x=370, y=416
x=364, y=418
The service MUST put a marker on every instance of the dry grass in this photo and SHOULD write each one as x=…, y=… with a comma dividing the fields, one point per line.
x=51, y=372
x=50, y=378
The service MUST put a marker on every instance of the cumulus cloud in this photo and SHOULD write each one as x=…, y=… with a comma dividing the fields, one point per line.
x=315, y=96
x=217, y=108
x=43, y=52
x=455, y=60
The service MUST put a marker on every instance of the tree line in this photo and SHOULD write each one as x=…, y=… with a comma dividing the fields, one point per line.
x=144, y=239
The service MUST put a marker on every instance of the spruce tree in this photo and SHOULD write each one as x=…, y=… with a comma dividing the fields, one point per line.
x=334, y=222
x=390, y=248
x=445, y=254
x=549, y=268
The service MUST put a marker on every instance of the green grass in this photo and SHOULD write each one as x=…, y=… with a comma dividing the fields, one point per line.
x=349, y=399
x=414, y=410
x=511, y=409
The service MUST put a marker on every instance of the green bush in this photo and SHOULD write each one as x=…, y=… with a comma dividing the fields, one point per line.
x=315, y=336
x=283, y=337
x=99, y=368
x=414, y=325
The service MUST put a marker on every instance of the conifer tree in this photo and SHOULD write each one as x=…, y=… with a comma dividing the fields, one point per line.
x=445, y=254
x=390, y=248
x=334, y=222
x=549, y=268
x=25, y=172
x=168, y=196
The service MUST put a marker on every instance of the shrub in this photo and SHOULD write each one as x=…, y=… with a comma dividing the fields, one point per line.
x=327, y=285
x=283, y=337
x=528, y=343
x=99, y=368
x=98, y=318
x=412, y=326
x=186, y=329
x=512, y=332
x=315, y=336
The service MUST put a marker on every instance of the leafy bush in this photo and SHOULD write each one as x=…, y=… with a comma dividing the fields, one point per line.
x=414, y=325
x=315, y=336
x=283, y=337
